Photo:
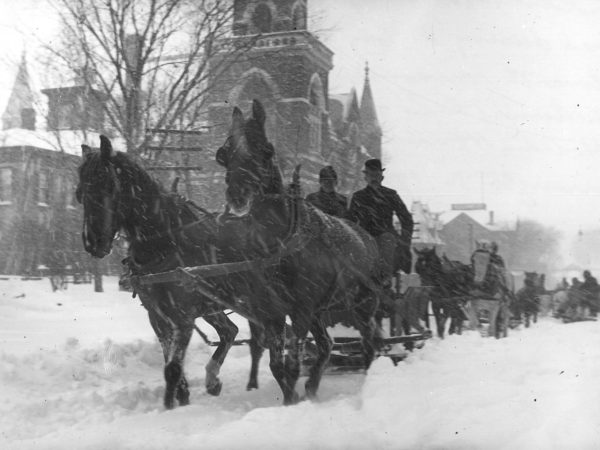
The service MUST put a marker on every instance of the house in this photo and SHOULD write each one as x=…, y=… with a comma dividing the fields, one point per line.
x=461, y=232
x=427, y=227
x=38, y=174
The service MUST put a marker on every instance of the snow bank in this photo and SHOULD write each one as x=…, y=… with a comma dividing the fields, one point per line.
x=96, y=382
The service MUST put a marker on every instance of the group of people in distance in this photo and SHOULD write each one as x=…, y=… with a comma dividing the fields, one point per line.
x=373, y=208
x=582, y=297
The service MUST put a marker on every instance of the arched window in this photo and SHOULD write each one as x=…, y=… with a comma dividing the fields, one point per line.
x=316, y=99
x=354, y=141
x=299, y=17
x=262, y=18
x=257, y=84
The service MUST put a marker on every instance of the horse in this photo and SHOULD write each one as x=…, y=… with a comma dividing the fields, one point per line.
x=321, y=260
x=447, y=279
x=527, y=299
x=164, y=231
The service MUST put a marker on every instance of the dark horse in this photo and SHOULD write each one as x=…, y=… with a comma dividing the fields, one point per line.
x=449, y=280
x=164, y=231
x=527, y=301
x=321, y=260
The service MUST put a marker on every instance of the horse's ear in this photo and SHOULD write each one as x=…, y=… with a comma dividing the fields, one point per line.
x=174, y=185
x=237, y=122
x=85, y=150
x=221, y=157
x=258, y=112
x=106, y=150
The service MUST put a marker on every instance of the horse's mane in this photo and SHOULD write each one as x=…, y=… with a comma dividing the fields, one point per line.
x=276, y=180
x=256, y=138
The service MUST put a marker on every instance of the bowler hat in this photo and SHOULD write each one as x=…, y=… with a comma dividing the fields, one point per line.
x=327, y=173
x=373, y=164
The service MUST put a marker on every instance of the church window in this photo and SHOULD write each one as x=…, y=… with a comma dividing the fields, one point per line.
x=69, y=194
x=299, y=18
x=314, y=137
x=5, y=184
x=262, y=18
x=317, y=102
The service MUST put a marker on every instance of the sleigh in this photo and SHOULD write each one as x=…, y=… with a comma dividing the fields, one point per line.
x=403, y=317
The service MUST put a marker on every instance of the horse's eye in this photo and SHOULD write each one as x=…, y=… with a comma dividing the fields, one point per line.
x=221, y=156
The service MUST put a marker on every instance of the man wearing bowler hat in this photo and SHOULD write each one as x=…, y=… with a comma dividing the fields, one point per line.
x=373, y=208
x=327, y=199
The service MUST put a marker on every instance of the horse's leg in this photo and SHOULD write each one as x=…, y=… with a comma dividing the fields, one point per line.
x=256, y=351
x=294, y=353
x=164, y=332
x=227, y=332
x=439, y=317
x=366, y=325
x=176, y=382
x=275, y=338
x=324, y=345
x=452, y=314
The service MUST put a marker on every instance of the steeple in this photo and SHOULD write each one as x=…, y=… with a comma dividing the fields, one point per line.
x=370, y=129
x=368, y=114
x=20, y=111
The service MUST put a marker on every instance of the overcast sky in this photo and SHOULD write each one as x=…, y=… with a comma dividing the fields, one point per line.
x=479, y=100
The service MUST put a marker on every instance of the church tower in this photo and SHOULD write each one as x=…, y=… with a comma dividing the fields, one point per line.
x=287, y=69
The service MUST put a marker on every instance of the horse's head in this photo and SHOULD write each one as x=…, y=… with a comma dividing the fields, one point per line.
x=99, y=191
x=428, y=263
x=247, y=155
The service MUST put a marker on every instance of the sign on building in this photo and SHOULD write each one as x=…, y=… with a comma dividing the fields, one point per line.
x=468, y=206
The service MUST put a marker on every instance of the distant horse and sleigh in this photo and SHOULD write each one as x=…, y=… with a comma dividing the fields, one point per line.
x=277, y=261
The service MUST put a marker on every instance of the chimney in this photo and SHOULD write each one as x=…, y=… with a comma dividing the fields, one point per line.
x=491, y=218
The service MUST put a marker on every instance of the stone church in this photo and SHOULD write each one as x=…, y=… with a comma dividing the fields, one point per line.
x=287, y=69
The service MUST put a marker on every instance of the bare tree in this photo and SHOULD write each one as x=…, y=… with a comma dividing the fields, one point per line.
x=150, y=63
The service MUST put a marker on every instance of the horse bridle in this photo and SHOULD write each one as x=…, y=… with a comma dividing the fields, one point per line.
x=110, y=203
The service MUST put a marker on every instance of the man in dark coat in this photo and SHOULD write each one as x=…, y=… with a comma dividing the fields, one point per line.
x=327, y=199
x=590, y=290
x=373, y=208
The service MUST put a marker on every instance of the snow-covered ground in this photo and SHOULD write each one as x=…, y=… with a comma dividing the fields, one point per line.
x=80, y=369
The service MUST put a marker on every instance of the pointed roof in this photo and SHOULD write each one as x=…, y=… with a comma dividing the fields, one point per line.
x=343, y=108
x=20, y=97
x=368, y=114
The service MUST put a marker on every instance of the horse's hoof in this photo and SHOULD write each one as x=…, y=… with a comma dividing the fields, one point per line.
x=295, y=398
x=251, y=385
x=169, y=403
x=184, y=401
x=215, y=389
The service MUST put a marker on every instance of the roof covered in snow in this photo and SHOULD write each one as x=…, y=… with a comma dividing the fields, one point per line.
x=67, y=141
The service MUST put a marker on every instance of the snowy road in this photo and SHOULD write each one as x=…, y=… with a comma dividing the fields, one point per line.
x=83, y=370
